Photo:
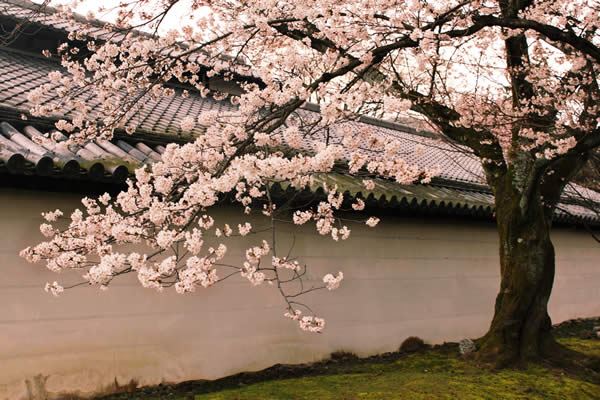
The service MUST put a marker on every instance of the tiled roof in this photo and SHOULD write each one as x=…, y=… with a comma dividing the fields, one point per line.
x=21, y=73
x=28, y=151
x=456, y=164
x=459, y=188
x=22, y=153
x=442, y=199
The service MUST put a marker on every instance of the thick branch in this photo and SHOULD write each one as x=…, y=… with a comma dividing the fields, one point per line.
x=551, y=32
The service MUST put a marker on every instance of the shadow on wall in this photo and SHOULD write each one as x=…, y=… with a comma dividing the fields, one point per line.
x=36, y=389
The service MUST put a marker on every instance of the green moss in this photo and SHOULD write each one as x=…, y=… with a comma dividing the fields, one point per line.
x=590, y=347
x=435, y=374
x=422, y=376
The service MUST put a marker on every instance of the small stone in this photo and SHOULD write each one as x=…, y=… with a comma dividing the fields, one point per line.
x=412, y=344
x=466, y=346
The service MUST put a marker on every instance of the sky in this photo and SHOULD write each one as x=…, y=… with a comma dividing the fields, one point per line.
x=177, y=17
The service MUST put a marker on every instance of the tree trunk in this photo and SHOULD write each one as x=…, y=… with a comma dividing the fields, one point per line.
x=520, y=329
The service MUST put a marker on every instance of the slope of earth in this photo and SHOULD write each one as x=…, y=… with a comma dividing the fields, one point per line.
x=431, y=373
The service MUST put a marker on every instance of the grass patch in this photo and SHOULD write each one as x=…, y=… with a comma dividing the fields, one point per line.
x=586, y=346
x=428, y=375
x=439, y=373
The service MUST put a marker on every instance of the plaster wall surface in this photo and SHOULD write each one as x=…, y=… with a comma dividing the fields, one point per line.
x=433, y=278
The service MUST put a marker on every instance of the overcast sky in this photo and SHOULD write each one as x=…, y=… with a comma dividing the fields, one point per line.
x=177, y=17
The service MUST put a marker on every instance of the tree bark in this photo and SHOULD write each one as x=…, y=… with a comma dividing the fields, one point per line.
x=520, y=329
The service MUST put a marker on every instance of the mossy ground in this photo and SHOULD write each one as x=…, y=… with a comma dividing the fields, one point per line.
x=438, y=373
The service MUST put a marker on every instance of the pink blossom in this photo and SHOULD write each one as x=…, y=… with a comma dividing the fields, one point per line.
x=333, y=282
x=187, y=123
x=54, y=288
x=244, y=229
x=372, y=221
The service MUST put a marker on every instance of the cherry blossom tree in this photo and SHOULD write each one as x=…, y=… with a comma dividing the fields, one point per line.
x=513, y=82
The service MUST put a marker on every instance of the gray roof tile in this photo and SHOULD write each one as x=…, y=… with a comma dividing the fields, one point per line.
x=465, y=186
x=26, y=152
x=162, y=116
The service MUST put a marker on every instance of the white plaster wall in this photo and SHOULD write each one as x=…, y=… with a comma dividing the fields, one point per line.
x=409, y=276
